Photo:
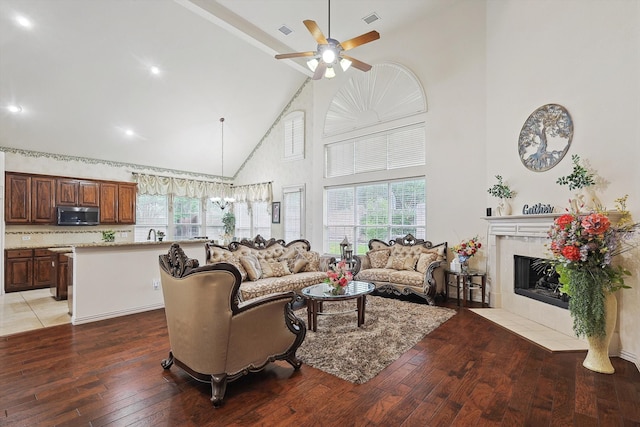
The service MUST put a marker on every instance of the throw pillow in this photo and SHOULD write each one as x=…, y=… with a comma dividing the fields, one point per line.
x=378, y=258
x=313, y=260
x=401, y=263
x=252, y=265
x=274, y=268
x=296, y=263
x=439, y=251
x=236, y=263
x=424, y=261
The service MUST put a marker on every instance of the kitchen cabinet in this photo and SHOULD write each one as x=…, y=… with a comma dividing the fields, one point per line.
x=59, y=289
x=17, y=208
x=127, y=203
x=32, y=199
x=76, y=192
x=108, y=202
x=29, y=199
x=118, y=203
x=27, y=269
x=43, y=209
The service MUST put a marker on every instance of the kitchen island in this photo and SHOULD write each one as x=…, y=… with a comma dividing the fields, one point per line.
x=117, y=279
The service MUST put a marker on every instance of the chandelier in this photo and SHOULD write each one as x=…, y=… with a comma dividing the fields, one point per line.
x=222, y=202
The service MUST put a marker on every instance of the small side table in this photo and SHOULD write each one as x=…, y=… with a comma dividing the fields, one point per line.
x=466, y=282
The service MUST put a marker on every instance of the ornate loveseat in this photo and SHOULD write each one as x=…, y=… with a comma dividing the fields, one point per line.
x=213, y=337
x=269, y=266
x=405, y=266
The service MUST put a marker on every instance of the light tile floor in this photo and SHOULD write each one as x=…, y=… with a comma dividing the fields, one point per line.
x=24, y=311
x=539, y=334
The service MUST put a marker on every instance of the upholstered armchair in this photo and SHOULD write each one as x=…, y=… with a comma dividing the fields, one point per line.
x=214, y=337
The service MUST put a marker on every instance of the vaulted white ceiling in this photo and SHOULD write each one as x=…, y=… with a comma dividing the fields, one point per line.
x=81, y=73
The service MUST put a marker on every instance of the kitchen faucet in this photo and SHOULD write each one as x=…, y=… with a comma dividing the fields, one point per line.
x=154, y=234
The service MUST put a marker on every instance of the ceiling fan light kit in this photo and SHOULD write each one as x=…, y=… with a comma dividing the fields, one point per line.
x=329, y=52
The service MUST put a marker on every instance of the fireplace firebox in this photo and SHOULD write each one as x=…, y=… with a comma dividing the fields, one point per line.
x=541, y=284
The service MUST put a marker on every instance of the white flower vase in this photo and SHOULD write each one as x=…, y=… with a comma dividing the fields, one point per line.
x=586, y=200
x=597, y=359
x=504, y=207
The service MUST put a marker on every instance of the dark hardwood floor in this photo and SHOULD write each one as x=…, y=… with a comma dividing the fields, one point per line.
x=468, y=372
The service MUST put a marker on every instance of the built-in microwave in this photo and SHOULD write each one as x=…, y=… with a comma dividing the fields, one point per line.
x=71, y=215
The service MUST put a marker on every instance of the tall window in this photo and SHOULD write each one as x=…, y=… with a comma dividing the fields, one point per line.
x=251, y=222
x=294, y=136
x=391, y=149
x=186, y=218
x=213, y=219
x=293, y=214
x=381, y=210
x=151, y=212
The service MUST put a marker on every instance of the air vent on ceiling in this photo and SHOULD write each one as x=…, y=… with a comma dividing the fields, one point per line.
x=285, y=30
x=372, y=17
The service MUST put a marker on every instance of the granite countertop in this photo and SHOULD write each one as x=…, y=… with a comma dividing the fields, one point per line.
x=69, y=247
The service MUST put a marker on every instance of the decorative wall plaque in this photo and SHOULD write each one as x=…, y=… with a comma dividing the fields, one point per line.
x=545, y=137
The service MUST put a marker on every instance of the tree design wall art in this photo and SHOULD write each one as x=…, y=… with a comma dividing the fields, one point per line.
x=545, y=137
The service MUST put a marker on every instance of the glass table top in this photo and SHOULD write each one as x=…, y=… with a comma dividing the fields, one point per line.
x=352, y=290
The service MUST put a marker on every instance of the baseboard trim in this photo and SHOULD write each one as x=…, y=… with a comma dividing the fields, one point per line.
x=94, y=318
x=630, y=357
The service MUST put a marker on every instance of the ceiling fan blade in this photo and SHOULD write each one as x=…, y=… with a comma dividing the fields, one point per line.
x=322, y=67
x=294, y=55
x=357, y=63
x=360, y=40
x=315, y=31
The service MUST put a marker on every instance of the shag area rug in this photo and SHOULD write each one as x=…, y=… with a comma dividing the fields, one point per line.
x=355, y=354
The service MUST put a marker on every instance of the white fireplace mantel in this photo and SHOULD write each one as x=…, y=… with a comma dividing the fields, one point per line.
x=521, y=225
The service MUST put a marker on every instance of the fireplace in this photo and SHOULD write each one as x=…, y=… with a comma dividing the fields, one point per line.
x=534, y=280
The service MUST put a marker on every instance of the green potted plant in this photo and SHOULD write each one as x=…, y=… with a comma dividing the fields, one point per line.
x=502, y=191
x=108, y=236
x=160, y=235
x=582, y=180
x=229, y=223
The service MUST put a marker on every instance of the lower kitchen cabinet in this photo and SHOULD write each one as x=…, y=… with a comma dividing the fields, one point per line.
x=59, y=289
x=27, y=269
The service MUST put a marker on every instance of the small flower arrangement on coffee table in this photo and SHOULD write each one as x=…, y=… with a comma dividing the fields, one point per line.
x=338, y=277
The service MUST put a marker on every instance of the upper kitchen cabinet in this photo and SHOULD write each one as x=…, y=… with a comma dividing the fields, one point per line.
x=29, y=199
x=117, y=203
x=75, y=192
x=127, y=203
x=17, y=208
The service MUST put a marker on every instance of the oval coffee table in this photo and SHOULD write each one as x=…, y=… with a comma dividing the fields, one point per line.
x=318, y=294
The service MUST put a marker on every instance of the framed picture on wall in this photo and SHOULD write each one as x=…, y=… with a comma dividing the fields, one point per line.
x=275, y=213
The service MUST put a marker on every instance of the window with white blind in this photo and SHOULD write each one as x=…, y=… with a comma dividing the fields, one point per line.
x=151, y=212
x=380, y=210
x=391, y=149
x=292, y=212
x=213, y=218
x=187, y=214
x=293, y=125
x=251, y=222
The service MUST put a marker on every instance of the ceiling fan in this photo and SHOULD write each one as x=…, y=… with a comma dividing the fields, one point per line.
x=330, y=52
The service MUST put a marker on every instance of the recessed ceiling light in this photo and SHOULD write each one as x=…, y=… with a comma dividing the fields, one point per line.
x=14, y=109
x=154, y=70
x=129, y=132
x=23, y=22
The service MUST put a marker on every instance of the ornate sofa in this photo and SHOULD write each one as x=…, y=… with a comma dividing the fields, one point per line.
x=213, y=337
x=269, y=266
x=405, y=266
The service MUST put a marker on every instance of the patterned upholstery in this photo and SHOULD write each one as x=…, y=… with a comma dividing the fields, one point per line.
x=272, y=253
x=414, y=266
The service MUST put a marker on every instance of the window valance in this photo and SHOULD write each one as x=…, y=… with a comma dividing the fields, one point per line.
x=163, y=185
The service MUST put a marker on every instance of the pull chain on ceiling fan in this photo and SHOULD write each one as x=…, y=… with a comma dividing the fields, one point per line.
x=330, y=52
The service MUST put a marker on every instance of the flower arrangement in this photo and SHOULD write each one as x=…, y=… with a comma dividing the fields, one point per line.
x=582, y=247
x=501, y=190
x=338, y=277
x=579, y=178
x=467, y=248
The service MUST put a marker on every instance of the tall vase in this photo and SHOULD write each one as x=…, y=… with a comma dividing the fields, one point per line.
x=597, y=359
x=504, y=207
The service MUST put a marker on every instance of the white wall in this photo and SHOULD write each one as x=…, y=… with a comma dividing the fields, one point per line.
x=584, y=55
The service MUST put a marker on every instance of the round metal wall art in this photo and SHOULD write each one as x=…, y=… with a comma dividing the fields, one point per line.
x=545, y=137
